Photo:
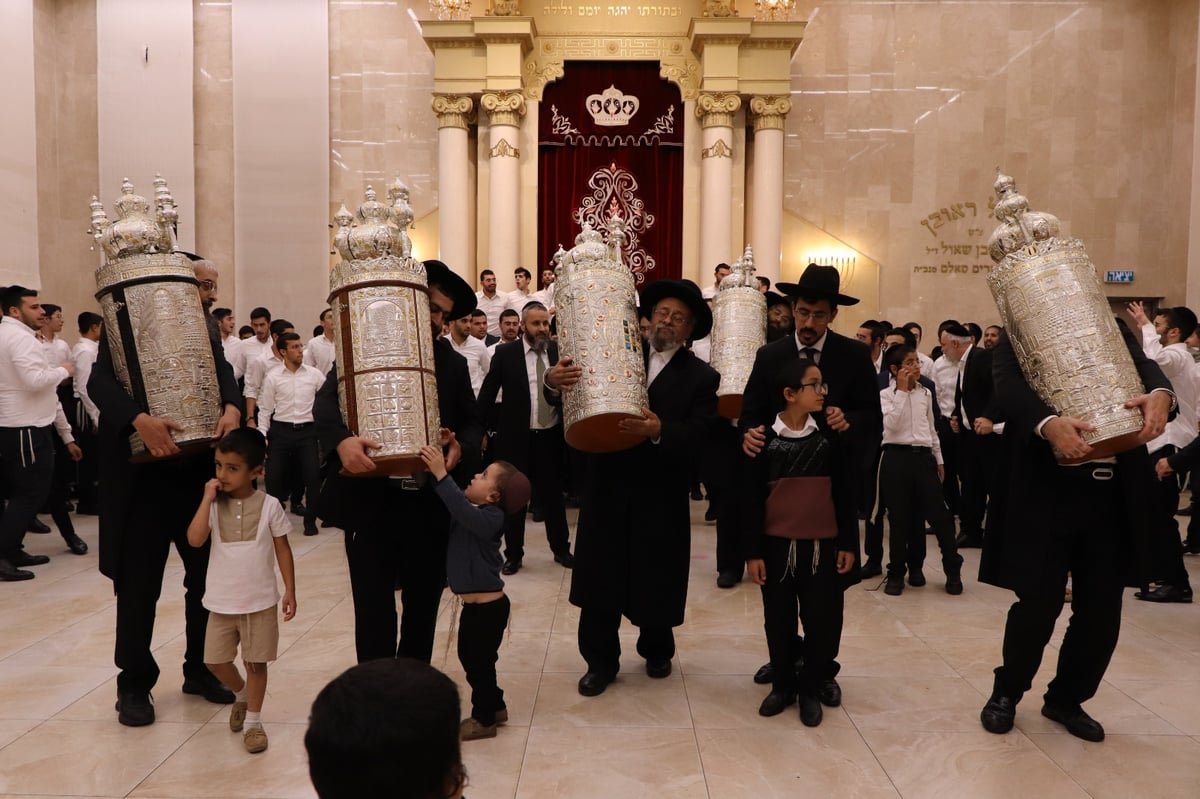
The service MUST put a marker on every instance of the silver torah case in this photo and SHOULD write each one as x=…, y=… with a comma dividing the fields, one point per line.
x=596, y=312
x=383, y=343
x=156, y=327
x=739, y=329
x=1058, y=319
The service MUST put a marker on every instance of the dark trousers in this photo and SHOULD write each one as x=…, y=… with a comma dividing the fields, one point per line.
x=909, y=486
x=1166, y=552
x=1193, y=528
x=821, y=601
x=600, y=644
x=480, y=631
x=293, y=453
x=166, y=499
x=87, y=471
x=544, y=468
x=406, y=547
x=1083, y=536
x=873, y=529
x=60, y=488
x=950, y=463
x=27, y=463
x=729, y=534
x=977, y=461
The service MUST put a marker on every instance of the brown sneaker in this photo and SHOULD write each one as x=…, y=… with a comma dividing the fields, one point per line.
x=237, y=716
x=472, y=730
x=255, y=739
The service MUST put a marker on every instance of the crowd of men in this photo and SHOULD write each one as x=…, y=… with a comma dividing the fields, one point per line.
x=986, y=437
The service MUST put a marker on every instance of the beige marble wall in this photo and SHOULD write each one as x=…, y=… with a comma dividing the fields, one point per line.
x=18, y=157
x=901, y=110
x=67, y=151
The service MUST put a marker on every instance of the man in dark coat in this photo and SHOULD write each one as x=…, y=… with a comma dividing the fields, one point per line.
x=528, y=432
x=1085, y=520
x=397, y=528
x=143, y=509
x=633, y=542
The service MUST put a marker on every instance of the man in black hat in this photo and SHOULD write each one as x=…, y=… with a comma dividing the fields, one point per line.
x=780, y=323
x=633, y=548
x=397, y=528
x=851, y=406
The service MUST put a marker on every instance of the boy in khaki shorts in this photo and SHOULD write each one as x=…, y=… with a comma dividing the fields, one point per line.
x=251, y=535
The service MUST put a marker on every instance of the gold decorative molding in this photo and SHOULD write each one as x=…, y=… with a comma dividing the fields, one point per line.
x=719, y=8
x=769, y=111
x=504, y=108
x=504, y=8
x=538, y=74
x=453, y=110
x=719, y=150
x=504, y=150
x=545, y=65
x=684, y=72
x=716, y=109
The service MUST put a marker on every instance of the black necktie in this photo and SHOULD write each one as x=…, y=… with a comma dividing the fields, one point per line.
x=812, y=353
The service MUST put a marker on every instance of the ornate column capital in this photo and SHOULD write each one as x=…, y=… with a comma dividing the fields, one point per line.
x=504, y=108
x=716, y=109
x=768, y=111
x=454, y=110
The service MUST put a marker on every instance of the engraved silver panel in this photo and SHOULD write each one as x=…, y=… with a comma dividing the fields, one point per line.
x=739, y=327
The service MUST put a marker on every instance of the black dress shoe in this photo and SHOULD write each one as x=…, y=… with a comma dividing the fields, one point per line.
x=37, y=526
x=564, y=559
x=11, y=574
x=710, y=513
x=830, y=693
x=776, y=702
x=965, y=541
x=765, y=674
x=310, y=528
x=916, y=578
x=135, y=708
x=299, y=509
x=1163, y=593
x=22, y=558
x=696, y=495
x=810, y=710
x=658, y=669
x=998, y=714
x=510, y=567
x=1191, y=547
x=894, y=586
x=76, y=544
x=728, y=579
x=326, y=525
x=210, y=688
x=870, y=569
x=1077, y=722
x=593, y=683
x=954, y=585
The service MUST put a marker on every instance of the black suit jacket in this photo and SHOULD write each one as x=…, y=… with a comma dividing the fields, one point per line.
x=978, y=394
x=509, y=419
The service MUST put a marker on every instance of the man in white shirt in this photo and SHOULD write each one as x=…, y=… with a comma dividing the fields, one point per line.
x=719, y=274
x=871, y=334
x=57, y=349
x=28, y=404
x=520, y=296
x=251, y=349
x=471, y=348
x=319, y=351
x=257, y=369
x=545, y=295
x=945, y=378
x=87, y=415
x=229, y=338
x=488, y=301
x=286, y=419
x=1163, y=342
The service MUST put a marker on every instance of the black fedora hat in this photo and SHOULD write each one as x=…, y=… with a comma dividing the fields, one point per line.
x=453, y=286
x=775, y=298
x=686, y=292
x=819, y=281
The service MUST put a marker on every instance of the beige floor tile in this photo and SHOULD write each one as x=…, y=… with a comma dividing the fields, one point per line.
x=720, y=654
x=731, y=702
x=214, y=763
x=975, y=764
x=38, y=692
x=1119, y=713
x=782, y=764
x=64, y=758
x=494, y=764
x=1163, y=767
x=621, y=762
x=1142, y=656
x=12, y=729
x=867, y=656
x=562, y=653
x=520, y=694
x=170, y=704
x=1176, y=701
x=918, y=704
x=634, y=700
x=321, y=649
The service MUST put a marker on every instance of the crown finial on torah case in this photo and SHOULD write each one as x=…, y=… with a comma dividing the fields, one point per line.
x=596, y=311
x=383, y=340
x=739, y=329
x=1057, y=317
x=156, y=328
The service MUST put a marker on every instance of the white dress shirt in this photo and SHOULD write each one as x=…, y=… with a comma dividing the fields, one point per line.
x=57, y=351
x=492, y=306
x=945, y=377
x=544, y=296
x=659, y=361
x=535, y=388
x=319, y=353
x=783, y=431
x=517, y=300
x=819, y=346
x=927, y=367
x=288, y=396
x=250, y=350
x=27, y=383
x=702, y=348
x=478, y=360
x=230, y=344
x=908, y=418
x=84, y=356
x=256, y=374
x=1180, y=368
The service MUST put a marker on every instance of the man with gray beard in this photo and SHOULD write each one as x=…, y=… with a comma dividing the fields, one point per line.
x=526, y=430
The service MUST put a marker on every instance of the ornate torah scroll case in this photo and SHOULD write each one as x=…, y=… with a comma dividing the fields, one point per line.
x=157, y=332
x=598, y=329
x=1063, y=333
x=380, y=299
x=739, y=329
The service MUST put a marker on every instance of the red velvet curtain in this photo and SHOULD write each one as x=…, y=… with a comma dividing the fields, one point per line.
x=611, y=139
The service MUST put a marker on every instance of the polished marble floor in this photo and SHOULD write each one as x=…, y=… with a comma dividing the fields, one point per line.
x=916, y=670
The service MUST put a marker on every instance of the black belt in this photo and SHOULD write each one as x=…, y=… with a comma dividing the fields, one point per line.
x=908, y=447
x=292, y=425
x=1101, y=472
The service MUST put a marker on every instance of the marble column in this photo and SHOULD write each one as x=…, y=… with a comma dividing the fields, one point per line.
x=505, y=110
x=765, y=228
x=716, y=111
x=455, y=112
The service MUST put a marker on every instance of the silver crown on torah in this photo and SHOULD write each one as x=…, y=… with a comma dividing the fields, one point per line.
x=739, y=329
x=137, y=230
x=377, y=229
x=1061, y=327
